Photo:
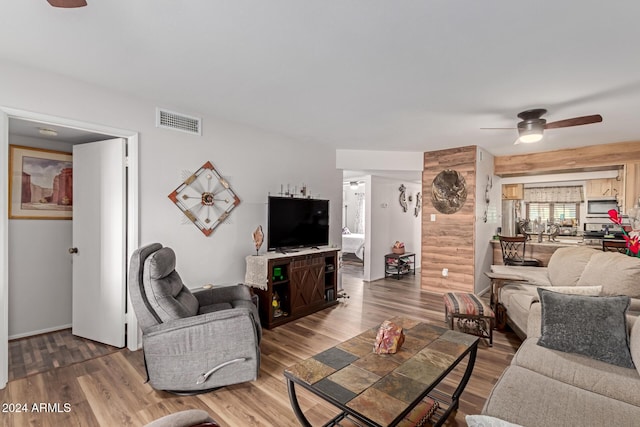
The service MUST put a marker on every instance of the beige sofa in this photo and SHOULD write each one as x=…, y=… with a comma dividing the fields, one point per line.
x=579, y=270
x=544, y=387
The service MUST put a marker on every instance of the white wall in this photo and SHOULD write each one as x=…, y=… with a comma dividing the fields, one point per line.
x=484, y=231
x=380, y=160
x=39, y=266
x=254, y=161
x=389, y=223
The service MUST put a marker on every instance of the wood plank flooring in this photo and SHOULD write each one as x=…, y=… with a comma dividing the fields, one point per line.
x=40, y=353
x=109, y=390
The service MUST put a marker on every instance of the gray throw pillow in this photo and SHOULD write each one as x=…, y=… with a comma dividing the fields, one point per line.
x=594, y=326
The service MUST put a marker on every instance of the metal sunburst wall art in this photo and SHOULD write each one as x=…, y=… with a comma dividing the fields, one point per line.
x=205, y=198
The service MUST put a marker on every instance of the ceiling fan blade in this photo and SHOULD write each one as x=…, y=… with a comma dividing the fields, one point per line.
x=67, y=3
x=576, y=121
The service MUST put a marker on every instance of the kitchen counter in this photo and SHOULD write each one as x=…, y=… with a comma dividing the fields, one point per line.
x=542, y=251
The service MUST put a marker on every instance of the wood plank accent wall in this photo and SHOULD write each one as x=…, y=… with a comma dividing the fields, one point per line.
x=631, y=185
x=572, y=159
x=447, y=242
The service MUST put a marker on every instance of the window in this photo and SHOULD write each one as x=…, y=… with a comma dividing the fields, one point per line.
x=564, y=211
x=538, y=210
x=554, y=212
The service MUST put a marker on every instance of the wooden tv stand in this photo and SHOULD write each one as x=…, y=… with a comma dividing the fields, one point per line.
x=297, y=284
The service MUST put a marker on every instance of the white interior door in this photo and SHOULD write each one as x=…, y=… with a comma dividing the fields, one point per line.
x=99, y=236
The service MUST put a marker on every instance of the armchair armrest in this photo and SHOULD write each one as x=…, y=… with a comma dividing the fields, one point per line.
x=225, y=316
x=222, y=294
x=238, y=296
x=534, y=322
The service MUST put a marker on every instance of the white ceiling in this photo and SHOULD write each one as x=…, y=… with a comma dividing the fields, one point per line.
x=357, y=74
x=31, y=129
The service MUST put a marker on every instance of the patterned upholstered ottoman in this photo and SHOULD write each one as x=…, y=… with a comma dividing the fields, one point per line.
x=474, y=316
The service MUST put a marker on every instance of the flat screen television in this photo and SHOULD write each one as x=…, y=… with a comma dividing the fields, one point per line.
x=297, y=223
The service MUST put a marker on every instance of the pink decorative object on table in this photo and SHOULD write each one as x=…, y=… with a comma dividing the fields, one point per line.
x=389, y=338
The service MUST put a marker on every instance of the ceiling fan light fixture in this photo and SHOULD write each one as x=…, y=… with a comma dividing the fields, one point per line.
x=531, y=131
x=529, y=138
x=532, y=126
x=66, y=4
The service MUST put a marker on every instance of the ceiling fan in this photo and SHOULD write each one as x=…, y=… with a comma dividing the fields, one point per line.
x=67, y=3
x=532, y=126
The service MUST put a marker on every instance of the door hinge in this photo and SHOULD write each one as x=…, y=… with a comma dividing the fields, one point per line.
x=126, y=162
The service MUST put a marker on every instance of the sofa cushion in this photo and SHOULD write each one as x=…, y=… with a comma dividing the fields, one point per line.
x=518, y=312
x=517, y=299
x=487, y=421
x=634, y=344
x=618, y=274
x=514, y=288
x=581, y=371
x=526, y=397
x=566, y=265
x=589, y=325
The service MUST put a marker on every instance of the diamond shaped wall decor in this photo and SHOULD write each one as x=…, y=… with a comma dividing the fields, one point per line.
x=205, y=198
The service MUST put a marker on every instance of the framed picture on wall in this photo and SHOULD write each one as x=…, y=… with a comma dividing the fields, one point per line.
x=40, y=183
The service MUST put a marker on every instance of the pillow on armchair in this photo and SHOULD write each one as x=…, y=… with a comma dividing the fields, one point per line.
x=593, y=326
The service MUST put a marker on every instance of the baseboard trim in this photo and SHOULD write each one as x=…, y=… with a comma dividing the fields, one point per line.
x=39, y=332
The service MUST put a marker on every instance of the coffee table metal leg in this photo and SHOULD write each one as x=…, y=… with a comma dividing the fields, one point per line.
x=294, y=404
x=465, y=379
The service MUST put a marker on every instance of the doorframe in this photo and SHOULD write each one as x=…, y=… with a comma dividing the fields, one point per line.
x=133, y=238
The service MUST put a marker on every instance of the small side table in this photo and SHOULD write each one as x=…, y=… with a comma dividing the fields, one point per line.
x=497, y=280
x=399, y=264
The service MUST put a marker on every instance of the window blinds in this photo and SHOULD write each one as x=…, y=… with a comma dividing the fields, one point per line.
x=566, y=194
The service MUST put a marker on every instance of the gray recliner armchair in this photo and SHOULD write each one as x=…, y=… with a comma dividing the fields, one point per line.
x=192, y=342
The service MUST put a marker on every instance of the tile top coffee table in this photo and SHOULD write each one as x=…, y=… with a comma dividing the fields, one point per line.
x=380, y=389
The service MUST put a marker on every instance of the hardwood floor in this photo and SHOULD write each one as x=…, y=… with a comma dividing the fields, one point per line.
x=40, y=353
x=109, y=390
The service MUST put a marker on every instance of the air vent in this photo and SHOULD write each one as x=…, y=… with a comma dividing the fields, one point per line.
x=176, y=121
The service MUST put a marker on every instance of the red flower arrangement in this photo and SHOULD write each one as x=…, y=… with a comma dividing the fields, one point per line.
x=633, y=242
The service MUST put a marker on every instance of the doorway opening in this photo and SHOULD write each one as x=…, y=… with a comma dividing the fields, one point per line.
x=353, y=227
x=10, y=120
